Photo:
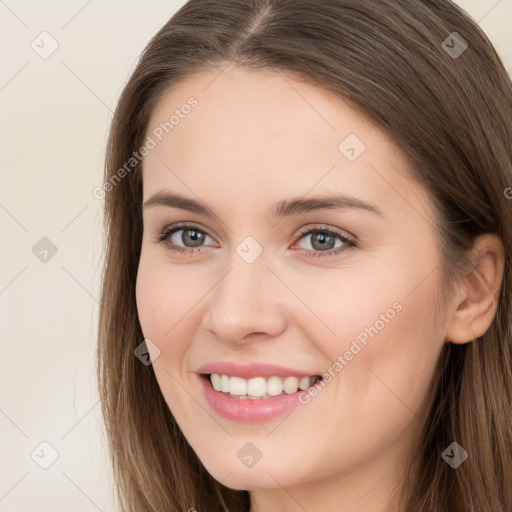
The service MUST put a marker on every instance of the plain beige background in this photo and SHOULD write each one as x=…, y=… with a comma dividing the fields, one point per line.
x=55, y=115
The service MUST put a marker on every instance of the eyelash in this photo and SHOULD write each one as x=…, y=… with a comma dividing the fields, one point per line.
x=349, y=244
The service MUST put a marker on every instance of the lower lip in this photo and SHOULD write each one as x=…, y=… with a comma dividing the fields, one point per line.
x=247, y=410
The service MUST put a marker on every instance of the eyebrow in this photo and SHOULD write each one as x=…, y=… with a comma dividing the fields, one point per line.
x=281, y=209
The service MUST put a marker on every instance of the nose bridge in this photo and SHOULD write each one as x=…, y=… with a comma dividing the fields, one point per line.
x=245, y=301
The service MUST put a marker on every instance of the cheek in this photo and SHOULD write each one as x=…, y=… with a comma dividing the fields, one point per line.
x=169, y=303
x=389, y=349
x=163, y=298
x=382, y=345
x=164, y=314
x=382, y=364
x=150, y=301
x=160, y=309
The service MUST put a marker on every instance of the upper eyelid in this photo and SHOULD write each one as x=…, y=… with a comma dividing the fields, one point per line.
x=173, y=228
x=337, y=231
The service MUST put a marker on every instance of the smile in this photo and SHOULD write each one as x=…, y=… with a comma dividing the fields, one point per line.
x=251, y=400
x=260, y=387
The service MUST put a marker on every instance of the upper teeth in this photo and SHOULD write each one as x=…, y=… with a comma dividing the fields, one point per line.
x=258, y=386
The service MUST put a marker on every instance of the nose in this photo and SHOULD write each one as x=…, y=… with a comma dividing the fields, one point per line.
x=246, y=304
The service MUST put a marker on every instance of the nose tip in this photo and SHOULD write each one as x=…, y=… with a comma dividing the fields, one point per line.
x=245, y=305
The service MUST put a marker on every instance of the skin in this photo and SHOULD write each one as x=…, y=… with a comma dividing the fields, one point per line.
x=254, y=139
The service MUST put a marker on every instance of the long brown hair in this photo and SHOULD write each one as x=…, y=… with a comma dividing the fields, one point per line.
x=451, y=115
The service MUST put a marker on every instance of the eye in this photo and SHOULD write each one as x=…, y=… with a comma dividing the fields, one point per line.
x=324, y=242
x=189, y=235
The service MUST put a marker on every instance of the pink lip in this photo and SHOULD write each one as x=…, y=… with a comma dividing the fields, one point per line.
x=247, y=410
x=249, y=371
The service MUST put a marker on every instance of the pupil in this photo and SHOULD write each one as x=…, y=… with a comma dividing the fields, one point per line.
x=323, y=240
x=194, y=236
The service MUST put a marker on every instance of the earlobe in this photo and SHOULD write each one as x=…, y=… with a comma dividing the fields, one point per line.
x=476, y=304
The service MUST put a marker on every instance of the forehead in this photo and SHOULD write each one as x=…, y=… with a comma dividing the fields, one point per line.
x=266, y=134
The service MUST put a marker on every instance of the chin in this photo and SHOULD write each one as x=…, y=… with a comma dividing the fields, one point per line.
x=244, y=479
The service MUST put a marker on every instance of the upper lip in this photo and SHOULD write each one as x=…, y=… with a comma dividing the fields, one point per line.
x=248, y=371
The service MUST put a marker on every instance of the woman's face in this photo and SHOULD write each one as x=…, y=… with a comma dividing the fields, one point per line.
x=243, y=281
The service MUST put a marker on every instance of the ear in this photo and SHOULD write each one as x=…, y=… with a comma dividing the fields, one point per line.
x=475, y=304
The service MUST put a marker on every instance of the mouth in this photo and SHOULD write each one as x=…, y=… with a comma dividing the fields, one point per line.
x=257, y=388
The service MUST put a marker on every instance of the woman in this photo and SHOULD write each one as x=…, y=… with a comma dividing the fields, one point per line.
x=306, y=298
